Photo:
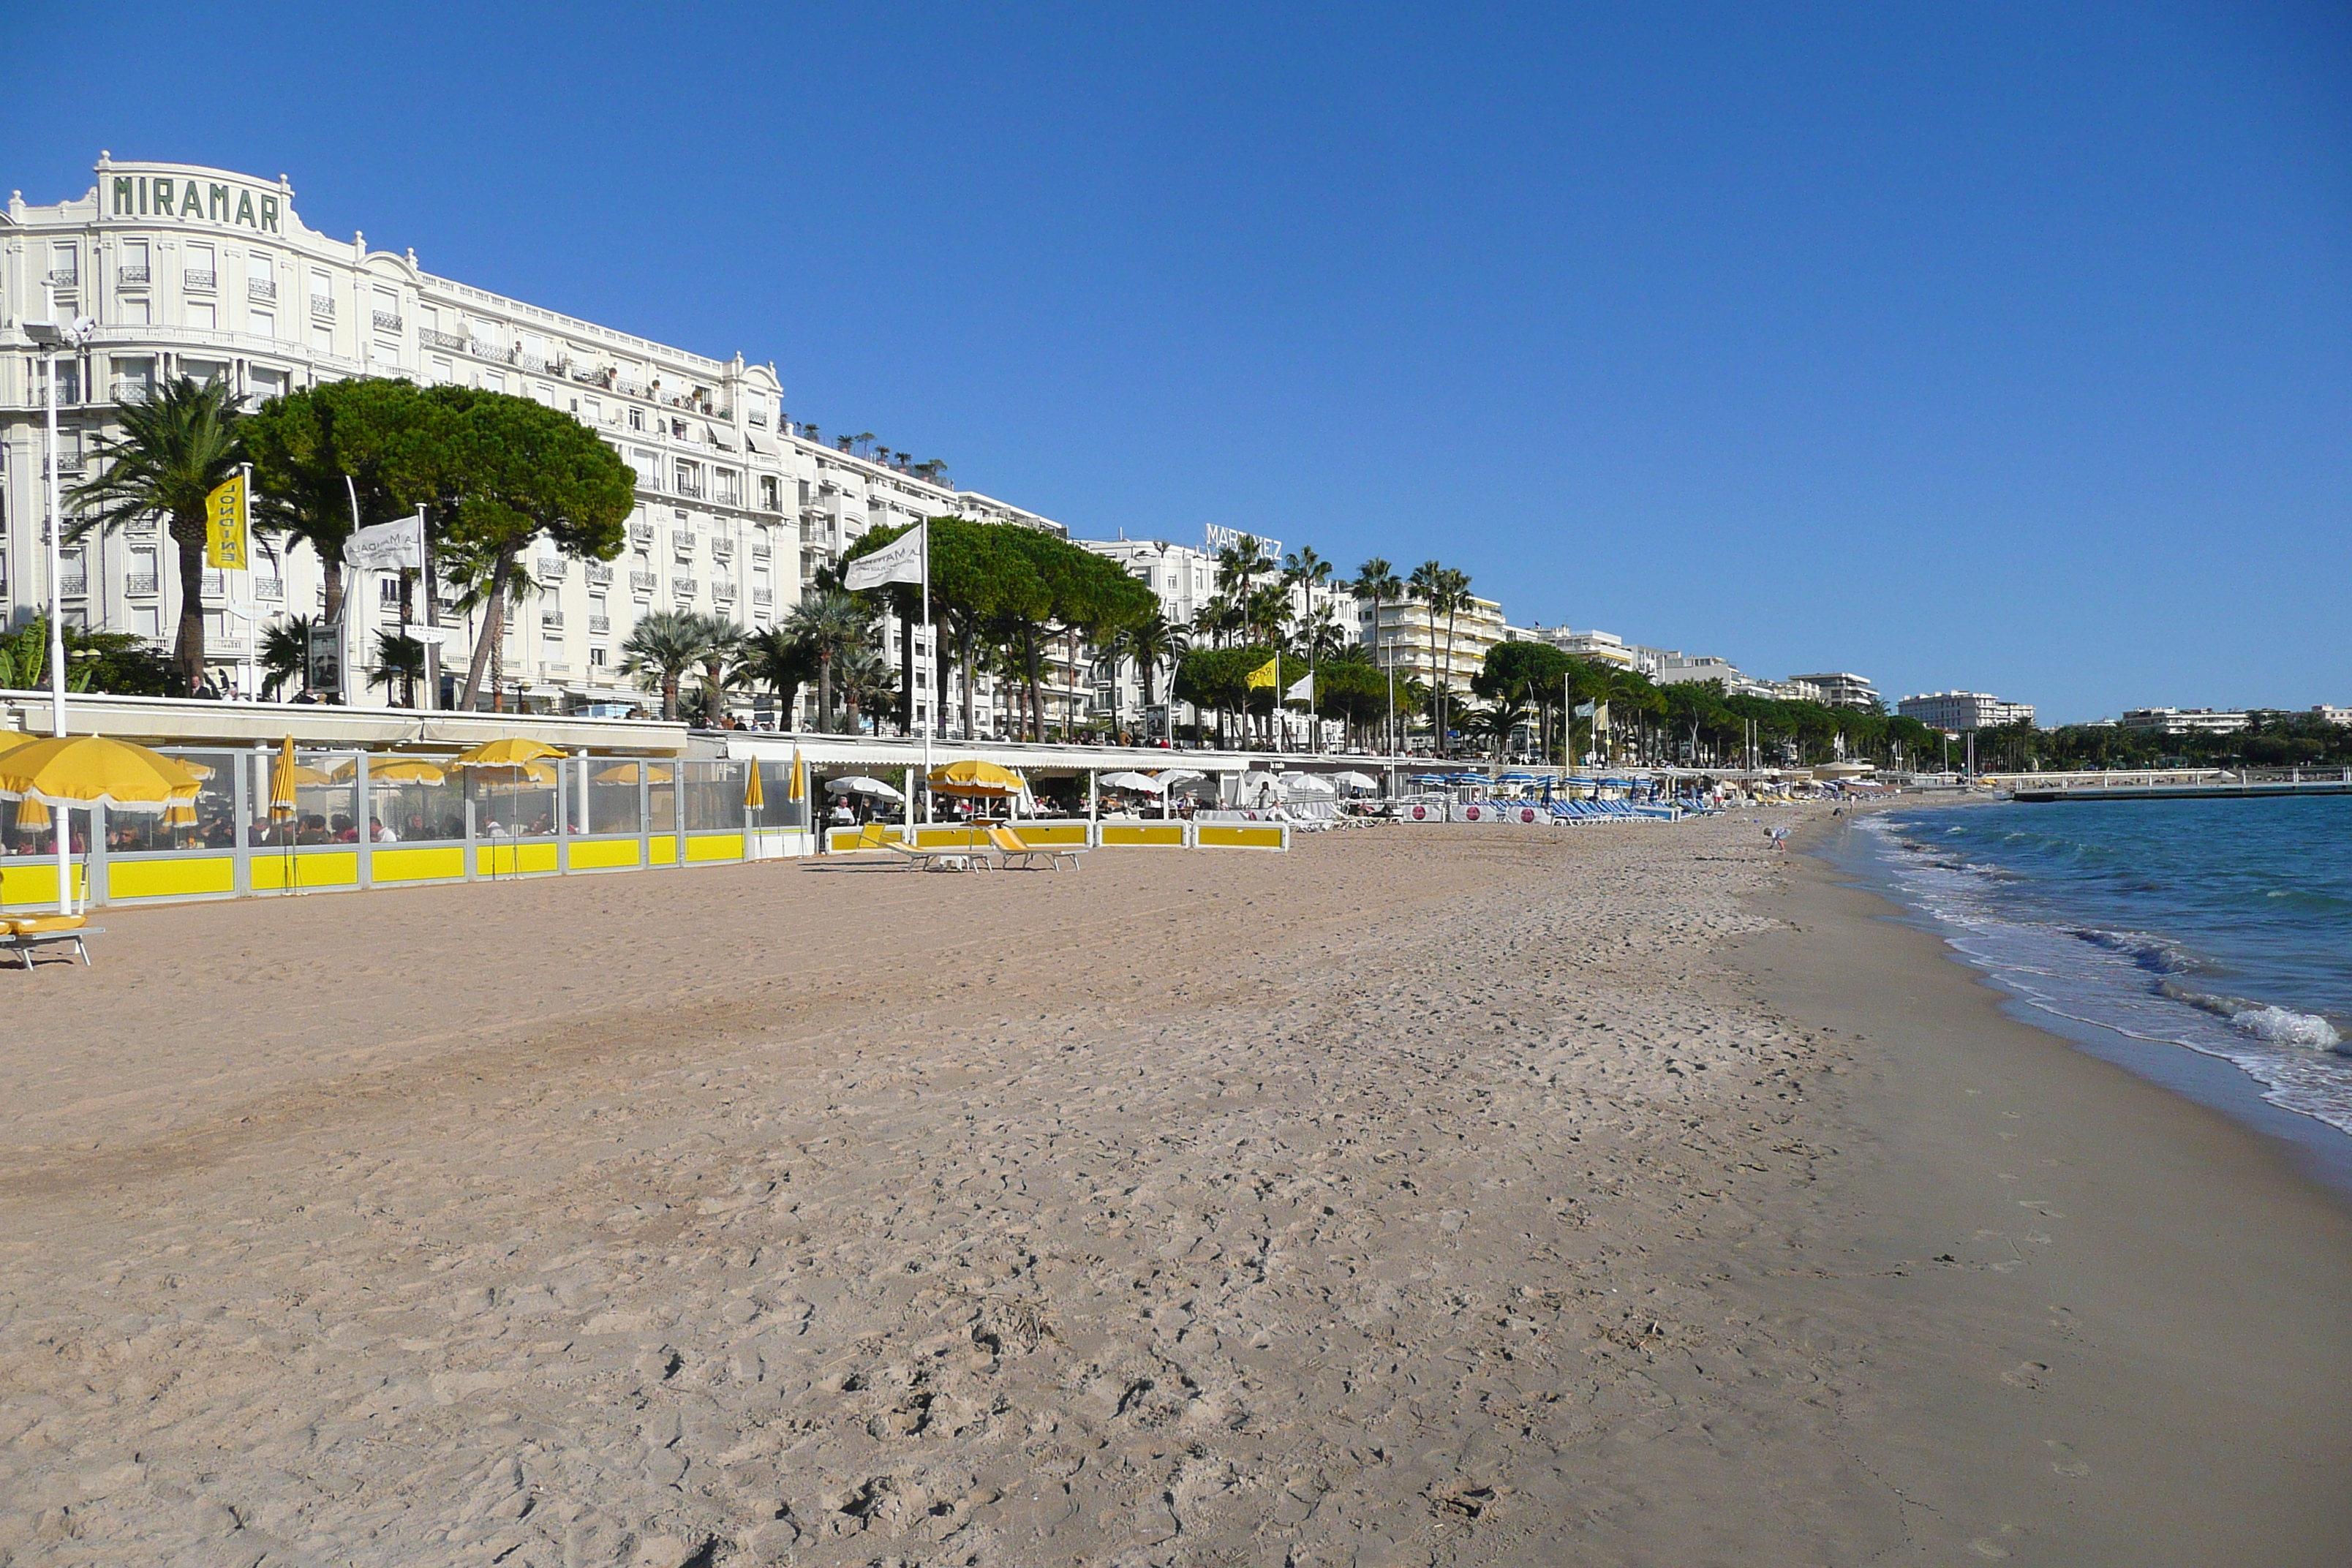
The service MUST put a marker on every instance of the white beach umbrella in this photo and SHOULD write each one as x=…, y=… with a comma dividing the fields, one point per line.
x=1143, y=783
x=858, y=783
x=1353, y=780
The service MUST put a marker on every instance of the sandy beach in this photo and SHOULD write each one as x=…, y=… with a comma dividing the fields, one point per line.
x=1454, y=1195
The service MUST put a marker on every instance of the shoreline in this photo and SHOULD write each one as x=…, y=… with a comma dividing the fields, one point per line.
x=2137, y=1303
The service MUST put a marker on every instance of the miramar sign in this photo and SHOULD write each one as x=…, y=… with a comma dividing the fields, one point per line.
x=195, y=201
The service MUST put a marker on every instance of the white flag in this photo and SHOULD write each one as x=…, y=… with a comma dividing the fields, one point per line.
x=900, y=561
x=1302, y=692
x=390, y=546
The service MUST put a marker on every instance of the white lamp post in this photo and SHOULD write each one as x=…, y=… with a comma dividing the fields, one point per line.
x=56, y=341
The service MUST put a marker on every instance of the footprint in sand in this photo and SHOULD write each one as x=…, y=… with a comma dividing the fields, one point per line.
x=2064, y=1461
x=2027, y=1374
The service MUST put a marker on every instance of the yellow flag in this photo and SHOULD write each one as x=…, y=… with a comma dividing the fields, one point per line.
x=225, y=526
x=1263, y=674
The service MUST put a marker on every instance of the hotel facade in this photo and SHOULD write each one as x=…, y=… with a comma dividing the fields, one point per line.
x=213, y=275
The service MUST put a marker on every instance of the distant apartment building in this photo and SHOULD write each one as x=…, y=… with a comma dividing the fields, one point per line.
x=2328, y=715
x=1962, y=710
x=2183, y=721
x=1592, y=647
x=1840, y=689
x=1675, y=668
x=1414, y=641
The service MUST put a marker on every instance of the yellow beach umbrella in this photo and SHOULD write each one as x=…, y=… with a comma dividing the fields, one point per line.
x=182, y=811
x=85, y=770
x=282, y=781
x=32, y=816
x=974, y=777
x=797, y=788
x=626, y=772
x=514, y=752
x=12, y=738
x=753, y=798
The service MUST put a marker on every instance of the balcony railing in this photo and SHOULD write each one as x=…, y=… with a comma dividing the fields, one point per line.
x=684, y=588
x=261, y=290
x=688, y=485
x=550, y=620
x=761, y=550
x=721, y=547
x=641, y=533
x=763, y=597
x=215, y=585
x=195, y=278
x=131, y=389
x=431, y=339
x=269, y=590
x=64, y=278
x=599, y=626
x=599, y=574
x=139, y=583
x=481, y=350
x=548, y=569
x=322, y=304
x=682, y=541
x=723, y=590
x=130, y=277
x=73, y=587
x=642, y=582
x=386, y=321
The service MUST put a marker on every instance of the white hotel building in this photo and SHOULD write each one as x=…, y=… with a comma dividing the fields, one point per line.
x=205, y=273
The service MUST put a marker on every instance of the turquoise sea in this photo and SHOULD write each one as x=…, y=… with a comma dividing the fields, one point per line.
x=2171, y=935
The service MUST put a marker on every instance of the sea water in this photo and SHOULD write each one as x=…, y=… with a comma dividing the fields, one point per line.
x=2218, y=927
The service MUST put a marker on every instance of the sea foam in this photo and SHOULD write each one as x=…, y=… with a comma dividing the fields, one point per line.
x=2282, y=1027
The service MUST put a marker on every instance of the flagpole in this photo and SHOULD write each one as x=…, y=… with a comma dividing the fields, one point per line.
x=930, y=714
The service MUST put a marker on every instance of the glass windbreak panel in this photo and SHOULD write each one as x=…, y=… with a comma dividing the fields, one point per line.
x=714, y=796
x=415, y=800
x=775, y=810
x=207, y=822
x=662, y=814
x=613, y=796
x=27, y=831
x=514, y=803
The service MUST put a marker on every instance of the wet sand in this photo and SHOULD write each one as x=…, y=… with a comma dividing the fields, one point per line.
x=1461, y=1195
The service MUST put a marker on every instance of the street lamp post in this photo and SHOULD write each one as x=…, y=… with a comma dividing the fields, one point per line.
x=56, y=341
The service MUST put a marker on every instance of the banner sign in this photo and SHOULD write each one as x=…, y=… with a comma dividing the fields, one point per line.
x=900, y=561
x=395, y=546
x=322, y=669
x=225, y=530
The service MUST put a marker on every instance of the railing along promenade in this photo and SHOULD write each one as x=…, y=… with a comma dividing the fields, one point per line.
x=2171, y=784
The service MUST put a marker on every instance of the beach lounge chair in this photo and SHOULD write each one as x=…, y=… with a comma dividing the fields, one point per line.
x=21, y=935
x=1010, y=844
x=875, y=835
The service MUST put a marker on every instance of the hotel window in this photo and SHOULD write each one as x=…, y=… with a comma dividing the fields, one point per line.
x=636, y=418
x=322, y=340
x=726, y=481
x=595, y=658
x=132, y=312
x=65, y=265
x=146, y=621
x=444, y=370
x=199, y=273
x=204, y=372
x=132, y=270
x=493, y=382
x=266, y=383
x=690, y=479
x=199, y=313
x=768, y=493
x=261, y=323
x=260, y=275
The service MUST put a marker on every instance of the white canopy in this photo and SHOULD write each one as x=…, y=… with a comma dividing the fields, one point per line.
x=858, y=783
x=1352, y=780
x=1143, y=783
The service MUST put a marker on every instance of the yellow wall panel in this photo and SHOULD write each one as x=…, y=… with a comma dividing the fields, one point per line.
x=605, y=855
x=1143, y=835
x=188, y=878
x=700, y=847
x=444, y=863
x=312, y=868
x=1215, y=836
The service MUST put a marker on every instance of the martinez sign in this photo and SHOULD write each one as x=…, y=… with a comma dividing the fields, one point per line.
x=194, y=201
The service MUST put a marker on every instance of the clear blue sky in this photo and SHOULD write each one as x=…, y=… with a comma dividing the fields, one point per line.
x=1992, y=346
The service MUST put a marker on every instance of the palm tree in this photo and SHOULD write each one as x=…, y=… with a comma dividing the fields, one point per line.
x=176, y=447
x=829, y=623
x=1498, y=721
x=867, y=680
x=776, y=660
x=1377, y=580
x=726, y=667
x=1240, y=564
x=285, y=654
x=662, y=648
x=1153, y=642
x=397, y=659
x=476, y=569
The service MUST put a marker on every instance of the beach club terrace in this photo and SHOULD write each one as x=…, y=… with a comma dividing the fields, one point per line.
x=307, y=797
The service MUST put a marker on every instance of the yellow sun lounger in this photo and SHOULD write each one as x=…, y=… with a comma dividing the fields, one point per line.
x=20, y=935
x=1013, y=847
